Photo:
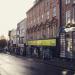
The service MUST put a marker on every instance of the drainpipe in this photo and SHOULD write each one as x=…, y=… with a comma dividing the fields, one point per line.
x=60, y=7
x=60, y=17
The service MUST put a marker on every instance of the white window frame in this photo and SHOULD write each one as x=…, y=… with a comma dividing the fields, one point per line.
x=48, y=14
x=68, y=16
x=42, y=16
x=54, y=11
x=54, y=8
x=73, y=1
x=68, y=1
x=38, y=19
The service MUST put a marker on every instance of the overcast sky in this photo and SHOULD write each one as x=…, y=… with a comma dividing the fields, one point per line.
x=12, y=12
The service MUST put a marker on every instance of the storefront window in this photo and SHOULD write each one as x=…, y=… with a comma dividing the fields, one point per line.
x=73, y=44
x=69, y=44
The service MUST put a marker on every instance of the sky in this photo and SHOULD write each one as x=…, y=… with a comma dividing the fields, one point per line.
x=12, y=12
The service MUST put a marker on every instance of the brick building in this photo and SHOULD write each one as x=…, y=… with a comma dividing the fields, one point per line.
x=52, y=20
x=67, y=37
x=43, y=23
x=43, y=20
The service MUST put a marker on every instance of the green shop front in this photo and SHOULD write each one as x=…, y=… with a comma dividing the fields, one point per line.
x=67, y=43
x=43, y=48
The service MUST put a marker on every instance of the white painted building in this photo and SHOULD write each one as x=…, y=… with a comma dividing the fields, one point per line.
x=23, y=31
x=21, y=34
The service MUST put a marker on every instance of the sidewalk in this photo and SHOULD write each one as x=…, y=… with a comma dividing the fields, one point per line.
x=70, y=64
x=65, y=64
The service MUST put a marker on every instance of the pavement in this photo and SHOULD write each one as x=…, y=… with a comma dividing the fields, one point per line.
x=58, y=62
x=66, y=64
x=18, y=65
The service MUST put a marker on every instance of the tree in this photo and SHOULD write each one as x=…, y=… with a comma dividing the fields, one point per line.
x=3, y=43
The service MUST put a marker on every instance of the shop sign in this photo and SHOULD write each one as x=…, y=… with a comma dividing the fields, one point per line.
x=50, y=42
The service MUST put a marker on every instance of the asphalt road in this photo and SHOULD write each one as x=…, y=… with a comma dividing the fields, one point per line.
x=12, y=65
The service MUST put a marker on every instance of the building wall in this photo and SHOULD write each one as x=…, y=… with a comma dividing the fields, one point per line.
x=12, y=37
x=21, y=32
x=68, y=21
x=68, y=12
x=42, y=23
x=17, y=36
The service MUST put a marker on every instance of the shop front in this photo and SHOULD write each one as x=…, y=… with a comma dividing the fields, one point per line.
x=42, y=48
x=67, y=43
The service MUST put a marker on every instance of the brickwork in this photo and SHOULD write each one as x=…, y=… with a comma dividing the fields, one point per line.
x=41, y=24
x=68, y=7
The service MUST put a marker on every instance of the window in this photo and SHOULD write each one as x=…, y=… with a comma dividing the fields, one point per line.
x=38, y=19
x=73, y=35
x=31, y=22
x=54, y=11
x=42, y=16
x=54, y=31
x=73, y=1
x=47, y=5
x=67, y=1
x=54, y=3
x=48, y=2
x=34, y=20
x=47, y=14
x=68, y=16
x=73, y=20
x=48, y=32
x=54, y=7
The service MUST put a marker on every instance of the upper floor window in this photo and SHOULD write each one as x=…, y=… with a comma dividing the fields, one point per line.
x=67, y=1
x=68, y=16
x=48, y=14
x=54, y=11
x=54, y=3
x=38, y=19
x=48, y=2
x=54, y=7
x=73, y=1
x=42, y=16
x=34, y=20
x=47, y=5
x=31, y=22
x=73, y=16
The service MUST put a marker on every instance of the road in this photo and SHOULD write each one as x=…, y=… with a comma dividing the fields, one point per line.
x=12, y=65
